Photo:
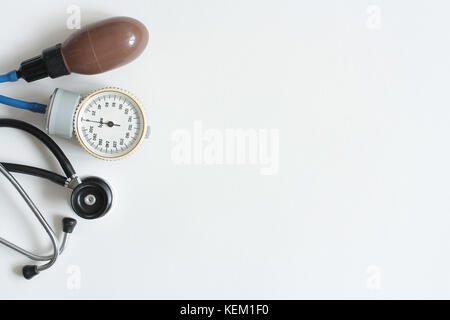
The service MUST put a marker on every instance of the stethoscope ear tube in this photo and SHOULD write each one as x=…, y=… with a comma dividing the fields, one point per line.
x=69, y=224
x=31, y=271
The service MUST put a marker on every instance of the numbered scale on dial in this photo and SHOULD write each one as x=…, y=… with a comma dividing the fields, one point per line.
x=109, y=123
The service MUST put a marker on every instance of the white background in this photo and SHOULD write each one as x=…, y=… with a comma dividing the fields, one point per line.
x=359, y=207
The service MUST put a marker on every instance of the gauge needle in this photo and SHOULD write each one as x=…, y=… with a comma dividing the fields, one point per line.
x=109, y=124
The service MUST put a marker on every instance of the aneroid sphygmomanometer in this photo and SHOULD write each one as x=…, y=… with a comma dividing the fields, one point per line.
x=108, y=123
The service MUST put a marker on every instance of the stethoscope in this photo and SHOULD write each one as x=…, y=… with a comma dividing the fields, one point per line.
x=91, y=197
x=109, y=123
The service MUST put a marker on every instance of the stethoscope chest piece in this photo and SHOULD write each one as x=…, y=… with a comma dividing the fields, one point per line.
x=92, y=199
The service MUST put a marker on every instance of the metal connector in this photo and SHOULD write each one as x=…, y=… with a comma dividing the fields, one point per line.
x=73, y=182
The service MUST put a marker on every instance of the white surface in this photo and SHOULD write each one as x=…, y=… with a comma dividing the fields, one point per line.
x=359, y=207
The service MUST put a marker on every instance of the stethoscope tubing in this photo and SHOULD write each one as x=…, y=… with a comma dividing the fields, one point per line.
x=7, y=168
x=37, y=172
x=38, y=216
x=95, y=187
x=45, y=139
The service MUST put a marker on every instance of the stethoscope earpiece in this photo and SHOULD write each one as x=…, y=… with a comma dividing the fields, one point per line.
x=69, y=225
x=29, y=272
x=92, y=198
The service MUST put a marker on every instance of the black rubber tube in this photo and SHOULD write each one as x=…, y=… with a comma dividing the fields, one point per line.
x=32, y=171
x=45, y=139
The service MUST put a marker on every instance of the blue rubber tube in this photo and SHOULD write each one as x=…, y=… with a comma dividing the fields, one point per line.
x=9, y=77
x=31, y=106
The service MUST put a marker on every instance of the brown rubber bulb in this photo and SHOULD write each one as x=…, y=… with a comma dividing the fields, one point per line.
x=105, y=45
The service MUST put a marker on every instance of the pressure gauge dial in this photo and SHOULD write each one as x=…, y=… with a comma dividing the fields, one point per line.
x=109, y=123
